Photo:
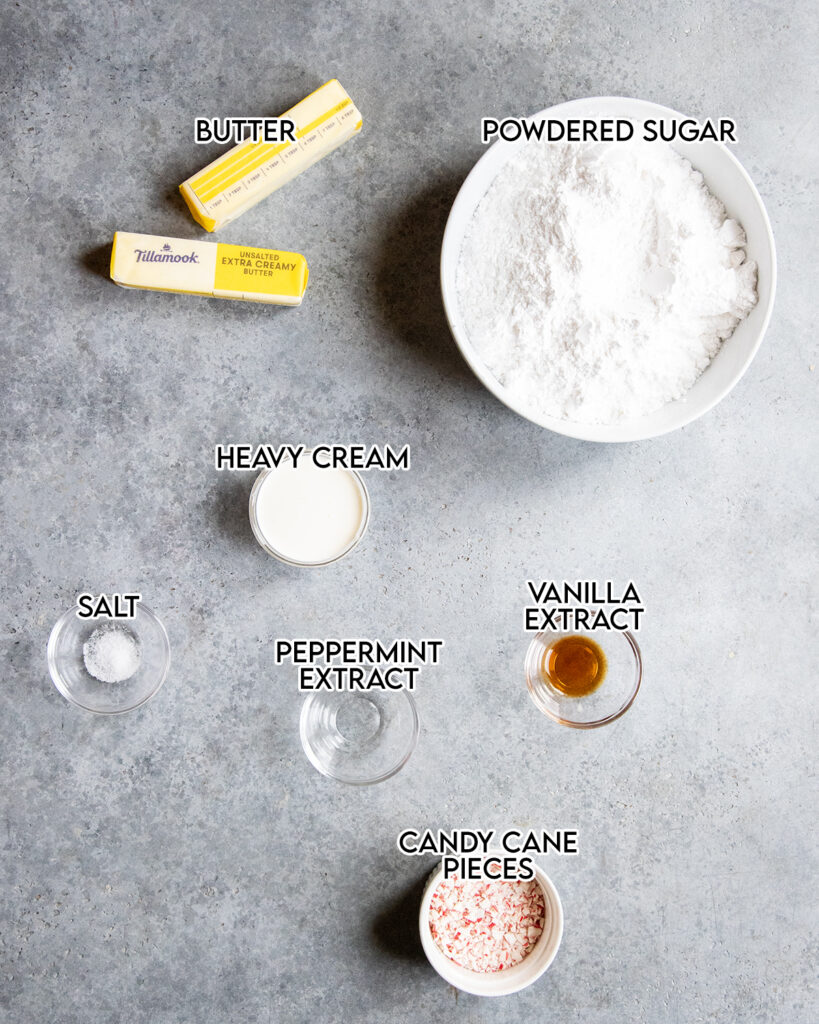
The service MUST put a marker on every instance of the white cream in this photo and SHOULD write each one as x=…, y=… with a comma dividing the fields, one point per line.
x=307, y=514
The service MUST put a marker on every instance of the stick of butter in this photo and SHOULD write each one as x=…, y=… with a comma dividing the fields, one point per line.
x=208, y=268
x=252, y=170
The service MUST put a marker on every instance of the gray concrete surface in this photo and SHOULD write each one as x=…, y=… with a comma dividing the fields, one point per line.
x=185, y=863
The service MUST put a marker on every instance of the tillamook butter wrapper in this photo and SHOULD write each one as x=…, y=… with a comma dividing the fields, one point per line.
x=250, y=171
x=208, y=268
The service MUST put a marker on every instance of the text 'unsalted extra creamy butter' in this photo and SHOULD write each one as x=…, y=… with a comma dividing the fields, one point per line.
x=208, y=268
x=252, y=170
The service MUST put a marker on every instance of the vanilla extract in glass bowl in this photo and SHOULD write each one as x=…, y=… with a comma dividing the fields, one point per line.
x=575, y=665
x=582, y=681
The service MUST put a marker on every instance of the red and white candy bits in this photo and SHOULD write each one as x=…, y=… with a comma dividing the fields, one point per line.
x=486, y=926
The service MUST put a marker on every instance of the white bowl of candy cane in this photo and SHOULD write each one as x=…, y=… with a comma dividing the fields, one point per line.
x=493, y=980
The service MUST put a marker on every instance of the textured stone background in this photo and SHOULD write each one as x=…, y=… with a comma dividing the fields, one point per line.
x=185, y=863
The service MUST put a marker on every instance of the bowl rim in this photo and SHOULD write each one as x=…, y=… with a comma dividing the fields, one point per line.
x=450, y=255
x=607, y=719
x=65, y=691
x=459, y=976
x=388, y=773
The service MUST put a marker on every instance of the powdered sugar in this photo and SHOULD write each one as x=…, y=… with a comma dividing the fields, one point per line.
x=486, y=926
x=598, y=281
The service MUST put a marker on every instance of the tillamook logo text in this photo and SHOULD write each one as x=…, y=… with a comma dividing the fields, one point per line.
x=152, y=256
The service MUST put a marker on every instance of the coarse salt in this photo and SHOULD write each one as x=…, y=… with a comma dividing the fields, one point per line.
x=111, y=654
x=486, y=926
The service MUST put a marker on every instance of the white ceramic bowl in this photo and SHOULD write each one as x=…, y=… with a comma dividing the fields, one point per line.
x=499, y=983
x=727, y=180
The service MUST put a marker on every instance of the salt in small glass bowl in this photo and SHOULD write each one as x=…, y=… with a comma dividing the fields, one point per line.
x=609, y=701
x=69, y=674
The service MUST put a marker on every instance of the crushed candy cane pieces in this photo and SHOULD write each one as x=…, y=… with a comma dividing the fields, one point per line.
x=486, y=926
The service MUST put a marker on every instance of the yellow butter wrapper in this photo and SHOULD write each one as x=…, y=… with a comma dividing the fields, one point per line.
x=252, y=170
x=208, y=268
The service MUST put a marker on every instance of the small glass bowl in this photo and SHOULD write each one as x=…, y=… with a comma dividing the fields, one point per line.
x=614, y=696
x=359, y=737
x=77, y=685
x=265, y=544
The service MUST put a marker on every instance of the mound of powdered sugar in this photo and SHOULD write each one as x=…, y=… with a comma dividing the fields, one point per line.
x=598, y=281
